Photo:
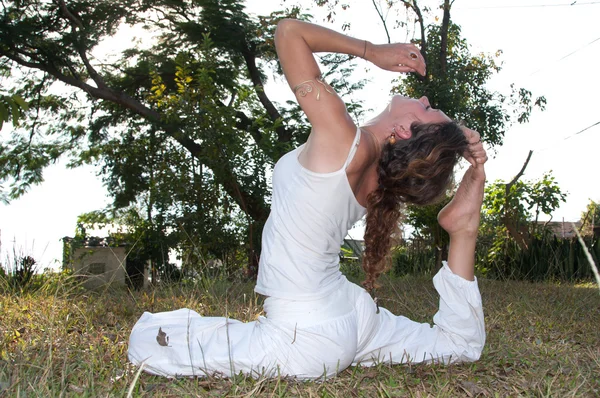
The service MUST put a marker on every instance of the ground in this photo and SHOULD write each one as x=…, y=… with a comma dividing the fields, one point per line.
x=543, y=340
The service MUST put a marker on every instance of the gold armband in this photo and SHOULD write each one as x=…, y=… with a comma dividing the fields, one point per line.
x=309, y=86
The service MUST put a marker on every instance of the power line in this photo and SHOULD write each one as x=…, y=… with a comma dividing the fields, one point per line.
x=569, y=54
x=581, y=131
x=573, y=52
x=575, y=3
x=569, y=136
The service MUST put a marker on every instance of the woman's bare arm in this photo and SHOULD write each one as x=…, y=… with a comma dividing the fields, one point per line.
x=333, y=129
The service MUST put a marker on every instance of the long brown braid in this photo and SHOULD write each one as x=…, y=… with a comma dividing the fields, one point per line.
x=413, y=171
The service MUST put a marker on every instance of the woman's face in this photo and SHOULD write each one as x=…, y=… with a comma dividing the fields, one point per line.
x=408, y=110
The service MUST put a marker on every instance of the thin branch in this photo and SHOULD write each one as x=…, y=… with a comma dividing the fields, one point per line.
x=283, y=134
x=72, y=70
x=383, y=21
x=38, y=99
x=246, y=124
x=520, y=173
x=90, y=69
x=415, y=7
x=81, y=48
x=508, y=221
x=74, y=20
x=21, y=61
x=444, y=39
x=232, y=99
x=588, y=256
x=584, y=219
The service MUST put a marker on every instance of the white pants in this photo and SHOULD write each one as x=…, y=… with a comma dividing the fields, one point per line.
x=312, y=339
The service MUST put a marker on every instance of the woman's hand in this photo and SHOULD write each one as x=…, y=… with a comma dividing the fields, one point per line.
x=476, y=153
x=396, y=57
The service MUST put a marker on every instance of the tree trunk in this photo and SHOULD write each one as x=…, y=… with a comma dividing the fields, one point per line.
x=520, y=235
x=255, y=229
x=444, y=40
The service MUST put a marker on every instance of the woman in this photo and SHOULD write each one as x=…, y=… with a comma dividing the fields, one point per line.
x=316, y=322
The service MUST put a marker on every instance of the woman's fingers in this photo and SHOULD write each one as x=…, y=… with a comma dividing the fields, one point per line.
x=475, y=154
x=404, y=69
x=472, y=136
x=398, y=57
x=414, y=59
x=411, y=57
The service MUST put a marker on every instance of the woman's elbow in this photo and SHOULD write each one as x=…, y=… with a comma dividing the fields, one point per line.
x=284, y=27
x=286, y=23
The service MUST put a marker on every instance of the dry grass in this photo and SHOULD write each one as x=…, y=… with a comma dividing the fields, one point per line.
x=543, y=340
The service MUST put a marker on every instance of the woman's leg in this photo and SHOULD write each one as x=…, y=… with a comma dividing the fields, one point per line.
x=183, y=343
x=460, y=218
x=458, y=333
x=305, y=339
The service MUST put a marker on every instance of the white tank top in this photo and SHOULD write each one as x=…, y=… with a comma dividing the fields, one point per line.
x=311, y=214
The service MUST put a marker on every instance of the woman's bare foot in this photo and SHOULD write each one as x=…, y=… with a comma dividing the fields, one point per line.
x=461, y=215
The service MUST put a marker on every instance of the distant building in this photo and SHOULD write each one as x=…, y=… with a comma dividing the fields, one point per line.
x=352, y=249
x=100, y=263
x=562, y=229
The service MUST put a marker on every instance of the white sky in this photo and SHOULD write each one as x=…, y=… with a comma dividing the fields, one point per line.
x=535, y=37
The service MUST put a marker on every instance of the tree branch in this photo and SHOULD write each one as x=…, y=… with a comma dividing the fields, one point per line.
x=245, y=123
x=509, y=222
x=415, y=7
x=520, y=173
x=254, y=206
x=444, y=40
x=283, y=134
x=81, y=48
x=383, y=21
x=74, y=20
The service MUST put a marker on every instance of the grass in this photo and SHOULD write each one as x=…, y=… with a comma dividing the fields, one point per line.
x=543, y=340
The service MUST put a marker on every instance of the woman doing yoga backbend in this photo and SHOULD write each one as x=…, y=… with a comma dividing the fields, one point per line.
x=317, y=323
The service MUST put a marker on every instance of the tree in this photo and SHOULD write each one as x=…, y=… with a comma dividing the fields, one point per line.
x=512, y=210
x=189, y=111
x=455, y=82
x=590, y=218
x=424, y=220
x=183, y=128
x=11, y=109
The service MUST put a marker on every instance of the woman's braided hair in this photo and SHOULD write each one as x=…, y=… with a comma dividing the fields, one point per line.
x=414, y=171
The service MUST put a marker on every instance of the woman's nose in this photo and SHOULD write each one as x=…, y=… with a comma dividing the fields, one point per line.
x=425, y=100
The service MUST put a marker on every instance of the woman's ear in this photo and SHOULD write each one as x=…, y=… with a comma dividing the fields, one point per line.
x=402, y=133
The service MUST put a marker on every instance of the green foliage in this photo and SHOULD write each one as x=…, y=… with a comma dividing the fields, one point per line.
x=182, y=129
x=416, y=257
x=525, y=200
x=428, y=236
x=21, y=157
x=11, y=109
x=590, y=217
x=424, y=220
x=512, y=241
x=18, y=274
x=545, y=258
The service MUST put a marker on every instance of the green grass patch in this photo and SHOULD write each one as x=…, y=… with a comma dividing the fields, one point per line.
x=60, y=340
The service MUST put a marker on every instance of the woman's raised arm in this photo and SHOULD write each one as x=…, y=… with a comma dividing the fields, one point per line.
x=296, y=41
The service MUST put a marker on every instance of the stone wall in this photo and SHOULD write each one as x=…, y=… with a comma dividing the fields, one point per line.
x=100, y=266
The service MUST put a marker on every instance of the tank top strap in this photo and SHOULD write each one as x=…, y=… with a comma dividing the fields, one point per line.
x=353, y=148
